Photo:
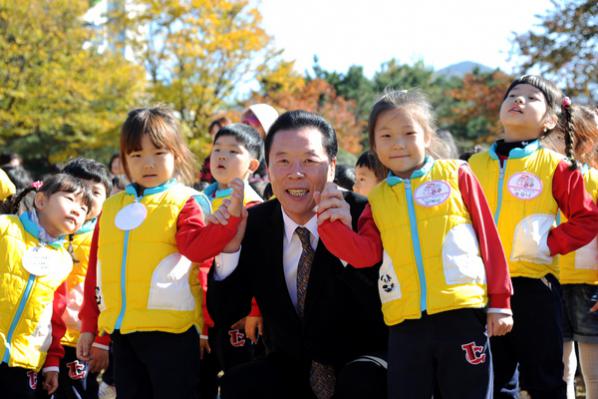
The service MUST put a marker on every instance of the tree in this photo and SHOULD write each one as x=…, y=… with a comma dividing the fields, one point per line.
x=58, y=96
x=564, y=46
x=196, y=52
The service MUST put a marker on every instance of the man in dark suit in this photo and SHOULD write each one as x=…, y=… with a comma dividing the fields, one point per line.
x=322, y=317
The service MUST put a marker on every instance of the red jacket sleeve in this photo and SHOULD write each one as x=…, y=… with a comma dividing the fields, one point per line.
x=577, y=205
x=90, y=312
x=491, y=250
x=56, y=351
x=361, y=249
x=198, y=241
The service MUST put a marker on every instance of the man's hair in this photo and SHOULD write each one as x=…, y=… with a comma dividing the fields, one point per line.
x=294, y=120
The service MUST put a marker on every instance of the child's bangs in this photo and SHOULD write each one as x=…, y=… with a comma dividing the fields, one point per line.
x=68, y=184
x=159, y=133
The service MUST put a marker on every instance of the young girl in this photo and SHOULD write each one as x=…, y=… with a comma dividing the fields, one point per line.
x=442, y=260
x=33, y=265
x=578, y=271
x=141, y=286
x=525, y=185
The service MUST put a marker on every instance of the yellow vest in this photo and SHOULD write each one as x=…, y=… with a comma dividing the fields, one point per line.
x=218, y=196
x=581, y=266
x=26, y=300
x=81, y=243
x=144, y=283
x=431, y=253
x=520, y=195
x=7, y=188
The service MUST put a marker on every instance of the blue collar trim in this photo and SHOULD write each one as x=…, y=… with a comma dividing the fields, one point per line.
x=87, y=226
x=392, y=180
x=130, y=189
x=32, y=228
x=517, y=153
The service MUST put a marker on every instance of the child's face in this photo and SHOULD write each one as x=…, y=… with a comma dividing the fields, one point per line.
x=230, y=160
x=98, y=196
x=365, y=180
x=151, y=166
x=522, y=113
x=61, y=213
x=401, y=141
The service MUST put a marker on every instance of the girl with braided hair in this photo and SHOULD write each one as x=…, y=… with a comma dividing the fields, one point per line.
x=526, y=185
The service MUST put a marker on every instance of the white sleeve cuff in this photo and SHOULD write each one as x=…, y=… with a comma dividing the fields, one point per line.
x=51, y=368
x=100, y=346
x=225, y=264
x=203, y=336
x=500, y=311
x=343, y=262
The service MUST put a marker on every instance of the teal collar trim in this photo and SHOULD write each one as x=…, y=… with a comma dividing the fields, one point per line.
x=517, y=153
x=130, y=189
x=212, y=191
x=32, y=228
x=392, y=180
x=87, y=226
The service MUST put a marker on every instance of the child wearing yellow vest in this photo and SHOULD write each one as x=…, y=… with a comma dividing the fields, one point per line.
x=236, y=154
x=442, y=260
x=34, y=264
x=526, y=184
x=578, y=271
x=75, y=377
x=142, y=286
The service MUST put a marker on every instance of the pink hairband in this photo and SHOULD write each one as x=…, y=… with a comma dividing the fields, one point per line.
x=37, y=185
x=566, y=102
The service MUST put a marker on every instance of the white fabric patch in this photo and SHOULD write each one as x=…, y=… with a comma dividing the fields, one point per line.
x=170, y=288
x=41, y=338
x=388, y=283
x=432, y=193
x=42, y=260
x=586, y=257
x=530, y=239
x=131, y=216
x=99, y=296
x=461, y=261
x=525, y=185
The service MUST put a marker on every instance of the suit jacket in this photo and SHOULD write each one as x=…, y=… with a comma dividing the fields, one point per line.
x=343, y=317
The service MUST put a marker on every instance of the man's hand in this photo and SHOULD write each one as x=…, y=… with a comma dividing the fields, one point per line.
x=254, y=327
x=84, y=346
x=498, y=324
x=99, y=360
x=50, y=382
x=332, y=205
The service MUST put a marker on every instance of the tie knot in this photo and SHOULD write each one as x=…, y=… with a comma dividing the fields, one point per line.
x=304, y=236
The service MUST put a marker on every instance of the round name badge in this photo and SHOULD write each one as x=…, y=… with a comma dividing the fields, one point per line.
x=131, y=216
x=525, y=185
x=39, y=260
x=432, y=193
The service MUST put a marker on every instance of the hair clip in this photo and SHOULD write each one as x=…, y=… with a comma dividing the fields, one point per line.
x=566, y=102
x=37, y=185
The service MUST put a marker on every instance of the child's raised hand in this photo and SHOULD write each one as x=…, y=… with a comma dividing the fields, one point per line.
x=332, y=205
x=84, y=346
x=236, y=201
x=499, y=324
x=50, y=382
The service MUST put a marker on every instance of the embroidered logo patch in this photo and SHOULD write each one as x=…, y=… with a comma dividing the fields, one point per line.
x=474, y=354
x=77, y=371
x=32, y=379
x=237, y=338
x=525, y=185
x=432, y=193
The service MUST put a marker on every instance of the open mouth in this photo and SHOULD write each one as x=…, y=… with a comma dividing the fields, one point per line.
x=516, y=109
x=297, y=192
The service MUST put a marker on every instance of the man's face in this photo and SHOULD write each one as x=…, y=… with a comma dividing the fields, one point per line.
x=299, y=166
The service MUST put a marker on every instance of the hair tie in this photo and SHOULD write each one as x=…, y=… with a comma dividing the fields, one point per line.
x=37, y=185
x=566, y=102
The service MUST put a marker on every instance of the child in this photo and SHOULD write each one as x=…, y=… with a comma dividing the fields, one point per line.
x=141, y=286
x=368, y=173
x=578, y=271
x=80, y=379
x=442, y=261
x=34, y=264
x=236, y=154
x=525, y=185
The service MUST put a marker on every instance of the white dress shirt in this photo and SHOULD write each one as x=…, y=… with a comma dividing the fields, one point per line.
x=226, y=263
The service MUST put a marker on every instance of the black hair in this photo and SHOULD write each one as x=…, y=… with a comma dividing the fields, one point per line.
x=24, y=200
x=369, y=160
x=7, y=157
x=344, y=176
x=19, y=176
x=302, y=119
x=246, y=136
x=88, y=169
